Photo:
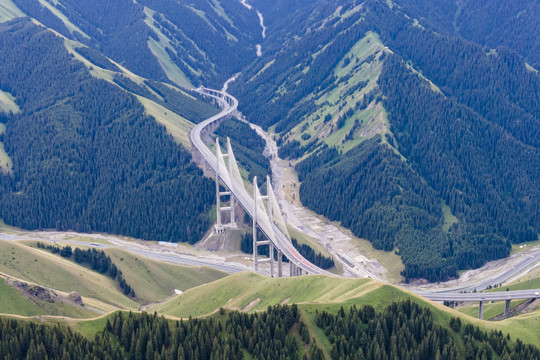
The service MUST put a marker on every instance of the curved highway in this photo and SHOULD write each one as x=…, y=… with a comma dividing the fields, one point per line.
x=228, y=105
x=530, y=262
x=491, y=296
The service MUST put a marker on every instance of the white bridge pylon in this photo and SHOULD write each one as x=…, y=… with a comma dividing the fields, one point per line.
x=266, y=208
x=273, y=228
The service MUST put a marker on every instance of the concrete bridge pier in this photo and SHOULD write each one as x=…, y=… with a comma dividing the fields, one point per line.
x=255, y=266
x=481, y=310
x=507, y=306
x=292, y=269
x=279, y=263
x=271, y=254
x=220, y=227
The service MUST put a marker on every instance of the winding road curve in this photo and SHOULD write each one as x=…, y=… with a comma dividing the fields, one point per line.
x=229, y=106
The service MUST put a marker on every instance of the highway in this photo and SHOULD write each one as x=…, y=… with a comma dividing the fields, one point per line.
x=229, y=105
x=169, y=257
x=531, y=261
x=491, y=296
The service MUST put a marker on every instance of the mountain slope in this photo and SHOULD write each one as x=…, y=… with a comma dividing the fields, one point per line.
x=152, y=281
x=85, y=154
x=493, y=23
x=457, y=127
x=168, y=40
x=253, y=293
x=315, y=300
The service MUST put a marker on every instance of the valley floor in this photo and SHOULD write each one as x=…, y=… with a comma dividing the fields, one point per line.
x=358, y=256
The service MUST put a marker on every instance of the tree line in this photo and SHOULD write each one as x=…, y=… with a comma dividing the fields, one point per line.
x=85, y=156
x=264, y=335
x=191, y=109
x=97, y=260
x=402, y=330
x=405, y=330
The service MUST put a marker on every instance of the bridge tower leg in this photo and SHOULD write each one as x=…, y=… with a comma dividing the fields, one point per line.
x=229, y=152
x=507, y=306
x=256, y=243
x=481, y=310
x=219, y=227
x=219, y=209
x=255, y=265
x=270, y=214
x=280, y=264
x=271, y=254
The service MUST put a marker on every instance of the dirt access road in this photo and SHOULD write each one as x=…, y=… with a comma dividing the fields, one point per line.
x=338, y=241
x=357, y=254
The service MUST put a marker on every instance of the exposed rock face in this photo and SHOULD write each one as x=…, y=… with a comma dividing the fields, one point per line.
x=36, y=292
x=41, y=293
x=75, y=298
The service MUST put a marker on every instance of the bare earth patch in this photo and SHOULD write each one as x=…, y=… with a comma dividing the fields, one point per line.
x=339, y=242
x=251, y=304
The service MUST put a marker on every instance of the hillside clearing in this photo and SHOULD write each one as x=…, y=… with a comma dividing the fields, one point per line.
x=153, y=280
x=7, y=102
x=176, y=125
x=43, y=268
x=8, y=11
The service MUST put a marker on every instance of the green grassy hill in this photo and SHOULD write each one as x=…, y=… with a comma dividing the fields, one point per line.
x=152, y=281
x=252, y=292
x=207, y=291
x=45, y=269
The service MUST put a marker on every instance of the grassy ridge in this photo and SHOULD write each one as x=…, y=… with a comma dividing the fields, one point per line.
x=361, y=65
x=240, y=290
x=153, y=280
x=46, y=269
x=313, y=293
x=253, y=292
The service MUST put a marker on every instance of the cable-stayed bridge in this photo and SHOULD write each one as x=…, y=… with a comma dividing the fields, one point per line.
x=267, y=218
x=266, y=214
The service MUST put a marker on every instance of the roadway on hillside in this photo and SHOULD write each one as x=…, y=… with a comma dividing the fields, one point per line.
x=229, y=105
x=156, y=253
x=491, y=296
x=279, y=240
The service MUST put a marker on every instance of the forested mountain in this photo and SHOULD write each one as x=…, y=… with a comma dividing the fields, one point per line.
x=403, y=330
x=166, y=40
x=423, y=142
x=493, y=23
x=85, y=155
x=417, y=121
